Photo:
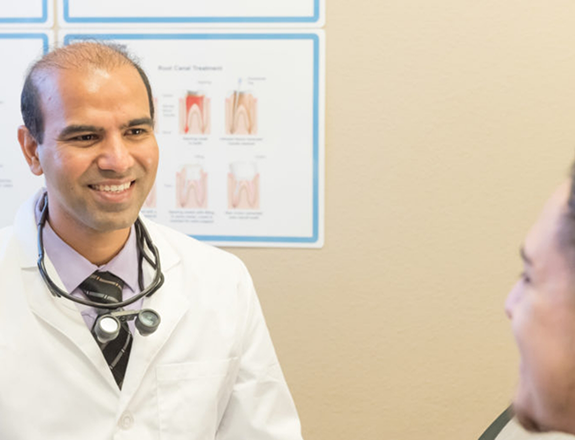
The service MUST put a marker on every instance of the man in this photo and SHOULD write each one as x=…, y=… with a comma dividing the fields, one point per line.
x=209, y=369
x=541, y=307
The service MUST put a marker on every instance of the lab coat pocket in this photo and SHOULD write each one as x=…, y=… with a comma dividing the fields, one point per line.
x=192, y=396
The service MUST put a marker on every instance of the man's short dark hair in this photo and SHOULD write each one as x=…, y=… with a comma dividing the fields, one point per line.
x=75, y=56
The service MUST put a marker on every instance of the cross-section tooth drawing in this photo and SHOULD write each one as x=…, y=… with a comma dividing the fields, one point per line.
x=195, y=113
x=191, y=187
x=241, y=113
x=243, y=186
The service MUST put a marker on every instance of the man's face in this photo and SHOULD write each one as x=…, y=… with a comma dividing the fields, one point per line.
x=99, y=154
x=541, y=307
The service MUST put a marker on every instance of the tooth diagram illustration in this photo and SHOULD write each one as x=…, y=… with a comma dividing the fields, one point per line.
x=243, y=186
x=241, y=112
x=191, y=187
x=195, y=113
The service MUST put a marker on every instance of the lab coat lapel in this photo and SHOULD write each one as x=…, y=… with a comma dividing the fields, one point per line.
x=65, y=317
x=60, y=313
x=170, y=303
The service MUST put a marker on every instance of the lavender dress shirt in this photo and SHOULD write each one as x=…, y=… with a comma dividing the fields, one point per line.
x=73, y=268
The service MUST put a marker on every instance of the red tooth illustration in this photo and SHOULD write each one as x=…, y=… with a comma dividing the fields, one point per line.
x=195, y=114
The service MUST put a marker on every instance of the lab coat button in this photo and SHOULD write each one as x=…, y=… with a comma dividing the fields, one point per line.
x=126, y=421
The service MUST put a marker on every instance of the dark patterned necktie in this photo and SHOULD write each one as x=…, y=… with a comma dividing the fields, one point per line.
x=105, y=287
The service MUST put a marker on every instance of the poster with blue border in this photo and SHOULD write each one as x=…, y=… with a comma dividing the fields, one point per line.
x=27, y=13
x=240, y=127
x=192, y=13
x=17, y=183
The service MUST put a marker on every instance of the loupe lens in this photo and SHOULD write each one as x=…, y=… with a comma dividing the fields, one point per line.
x=147, y=322
x=106, y=328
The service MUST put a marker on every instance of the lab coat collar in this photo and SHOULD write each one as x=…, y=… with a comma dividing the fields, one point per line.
x=59, y=313
x=25, y=229
x=64, y=316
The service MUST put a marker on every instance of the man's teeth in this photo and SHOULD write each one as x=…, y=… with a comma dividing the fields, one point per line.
x=112, y=188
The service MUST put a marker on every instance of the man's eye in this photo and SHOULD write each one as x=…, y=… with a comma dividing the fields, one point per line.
x=136, y=131
x=84, y=138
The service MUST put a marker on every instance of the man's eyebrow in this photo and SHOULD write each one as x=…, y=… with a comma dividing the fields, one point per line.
x=524, y=256
x=140, y=121
x=73, y=129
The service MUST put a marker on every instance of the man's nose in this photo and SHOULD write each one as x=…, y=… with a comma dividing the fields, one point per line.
x=115, y=155
x=511, y=300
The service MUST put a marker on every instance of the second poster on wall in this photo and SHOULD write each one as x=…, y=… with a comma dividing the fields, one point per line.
x=238, y=122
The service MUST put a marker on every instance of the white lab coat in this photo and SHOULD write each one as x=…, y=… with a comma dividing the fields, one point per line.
x=208, y=372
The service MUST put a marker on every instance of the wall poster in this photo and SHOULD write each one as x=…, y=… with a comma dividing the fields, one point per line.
x=214, y=13
x=17, y=183
x=30, y=13
x=239, y=122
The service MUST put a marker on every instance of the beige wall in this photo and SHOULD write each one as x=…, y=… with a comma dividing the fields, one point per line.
x=448, y=124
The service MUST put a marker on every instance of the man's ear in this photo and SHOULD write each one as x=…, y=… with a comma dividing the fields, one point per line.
x=30, y=149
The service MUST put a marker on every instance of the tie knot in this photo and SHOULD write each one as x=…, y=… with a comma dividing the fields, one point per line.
x=103, y=287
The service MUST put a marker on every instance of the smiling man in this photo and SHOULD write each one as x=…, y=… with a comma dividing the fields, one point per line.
x=99, y=339
x=541, y=307
x=96, y=149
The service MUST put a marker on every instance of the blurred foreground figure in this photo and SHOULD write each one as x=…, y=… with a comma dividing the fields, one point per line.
x=541, y=307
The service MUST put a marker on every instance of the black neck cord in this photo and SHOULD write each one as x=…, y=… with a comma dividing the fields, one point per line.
x=143, y=241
